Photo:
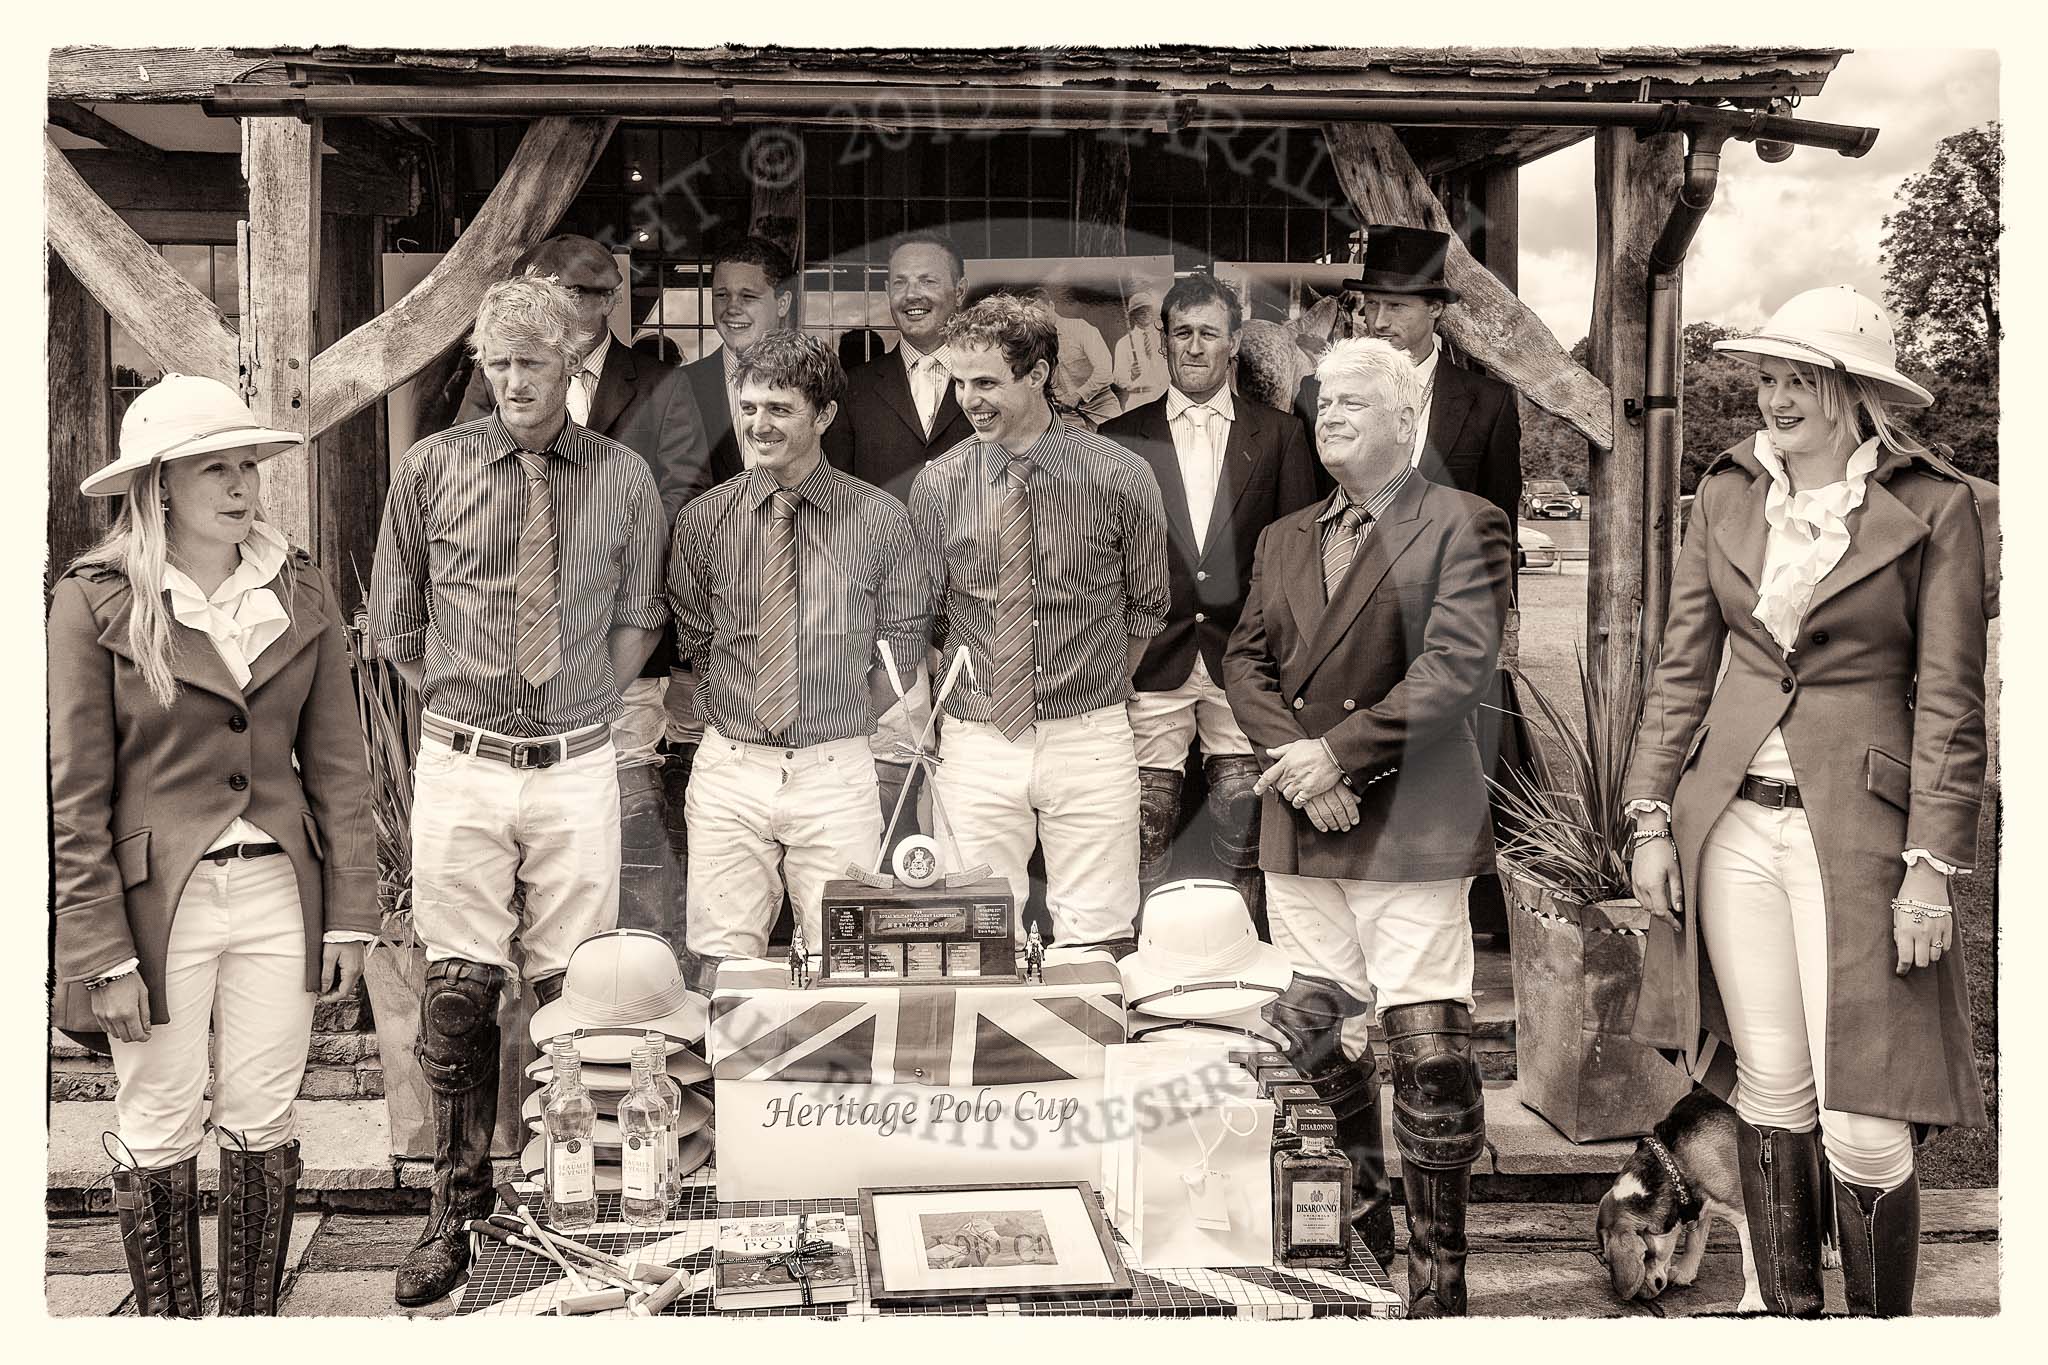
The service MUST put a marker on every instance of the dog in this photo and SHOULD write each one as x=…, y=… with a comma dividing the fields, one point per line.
x=1656, y=1219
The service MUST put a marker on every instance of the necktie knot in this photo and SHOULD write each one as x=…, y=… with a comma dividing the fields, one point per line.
x=535, y=463
x=1019, y=472
x=1355, y=517
x=785, y=501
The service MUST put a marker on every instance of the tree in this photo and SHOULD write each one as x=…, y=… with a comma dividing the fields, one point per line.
x=1940, y=257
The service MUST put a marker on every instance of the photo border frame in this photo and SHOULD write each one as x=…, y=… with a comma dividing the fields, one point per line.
x=1116, y=1286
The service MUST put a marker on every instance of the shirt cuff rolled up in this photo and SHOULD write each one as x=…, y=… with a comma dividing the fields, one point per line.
x=1143, y=625
x=347, y=936
x=641, y=613
x=403, y=648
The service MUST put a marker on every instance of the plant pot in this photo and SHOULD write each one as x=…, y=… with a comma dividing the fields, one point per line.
x=1577, y=969
x=397, y=978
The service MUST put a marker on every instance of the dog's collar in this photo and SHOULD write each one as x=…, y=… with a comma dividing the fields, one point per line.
x=1670, y=1164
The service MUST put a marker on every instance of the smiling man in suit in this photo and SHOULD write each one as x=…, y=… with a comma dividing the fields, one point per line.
x=1367, y=644
x=1226, y=470
x=753, y=294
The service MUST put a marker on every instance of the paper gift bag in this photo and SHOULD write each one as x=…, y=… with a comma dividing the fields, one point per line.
x=1189, y=1178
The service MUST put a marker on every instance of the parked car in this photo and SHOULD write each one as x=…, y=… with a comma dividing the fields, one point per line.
x=1544, y=498
x=1534, y=550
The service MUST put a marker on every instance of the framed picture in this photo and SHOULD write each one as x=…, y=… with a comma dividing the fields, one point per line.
x=929, y=1243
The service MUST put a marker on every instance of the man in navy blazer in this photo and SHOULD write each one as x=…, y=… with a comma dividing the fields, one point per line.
x=753, y=293
x=1226, y=469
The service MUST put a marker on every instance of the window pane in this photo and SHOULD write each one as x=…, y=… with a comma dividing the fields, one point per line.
x=194, y=265
x=227, y=281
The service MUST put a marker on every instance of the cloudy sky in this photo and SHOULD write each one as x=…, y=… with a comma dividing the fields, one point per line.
x=1773, y=230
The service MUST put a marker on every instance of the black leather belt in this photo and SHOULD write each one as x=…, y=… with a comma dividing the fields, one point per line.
x=545, y=752
x=220, y=856
x=1769, y=792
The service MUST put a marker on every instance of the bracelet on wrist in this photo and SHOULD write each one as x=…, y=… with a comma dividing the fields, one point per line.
x=1648, y=836
x=1921, y=911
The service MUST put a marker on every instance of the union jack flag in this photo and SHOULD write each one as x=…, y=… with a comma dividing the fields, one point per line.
x=914, y=1034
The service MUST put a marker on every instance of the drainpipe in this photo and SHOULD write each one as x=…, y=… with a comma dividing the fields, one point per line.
x=1663, y=350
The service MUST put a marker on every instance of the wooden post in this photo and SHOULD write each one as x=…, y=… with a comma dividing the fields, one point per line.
x=281, y=270
x=1102, y=190
x=1500, y=200
x=81, y=436
x=1634, y=185
x=354, y=469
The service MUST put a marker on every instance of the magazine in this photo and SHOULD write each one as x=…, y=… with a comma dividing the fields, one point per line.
x=756, y=1262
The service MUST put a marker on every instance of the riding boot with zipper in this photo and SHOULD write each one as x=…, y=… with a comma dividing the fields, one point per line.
x=1780, y=1193
x=1880, y=1240
x=458, y=1051
x=158, y=1210
x=254, y=1225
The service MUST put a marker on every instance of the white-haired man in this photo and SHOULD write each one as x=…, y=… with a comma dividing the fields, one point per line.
x=518, y=587
x=1367, y=643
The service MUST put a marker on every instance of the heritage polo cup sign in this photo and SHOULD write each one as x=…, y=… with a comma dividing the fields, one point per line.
x=825, y=1090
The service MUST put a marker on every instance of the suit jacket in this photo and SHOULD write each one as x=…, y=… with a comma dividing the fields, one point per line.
x=877, y=436
x=1391, y=673
x=1475, y=435
x=137, y=793
x=1882, y=710
x=645, y=405
x=706, y=377
x=1268, y=471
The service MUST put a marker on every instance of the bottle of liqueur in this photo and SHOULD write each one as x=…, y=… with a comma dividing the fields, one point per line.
x=1311, y=1192
x=646, y=1125
x=567, y=1120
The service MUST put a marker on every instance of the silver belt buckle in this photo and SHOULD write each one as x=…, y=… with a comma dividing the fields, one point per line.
x=1769, y=787
x=539, y=753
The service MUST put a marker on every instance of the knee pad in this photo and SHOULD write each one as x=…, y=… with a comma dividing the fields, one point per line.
x=1158, y=813
x=1439, y=1117
x=458, y=1039
x=1234, y=808
x=1310, y=1015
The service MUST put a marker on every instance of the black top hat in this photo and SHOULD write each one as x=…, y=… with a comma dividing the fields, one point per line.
x=1404, y=260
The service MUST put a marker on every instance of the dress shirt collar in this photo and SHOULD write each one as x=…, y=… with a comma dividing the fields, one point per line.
x=1048, y=453
x=1425, y=369
x=502, y=444
x=1840, y=498
x=242, y=616
x=594, y=362
x=816, y=488
x=1374, y=507
x=1178, y=403
x=912, y=357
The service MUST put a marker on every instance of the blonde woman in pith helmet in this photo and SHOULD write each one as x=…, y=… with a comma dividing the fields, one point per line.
x=213, y=847
x=1798, y=818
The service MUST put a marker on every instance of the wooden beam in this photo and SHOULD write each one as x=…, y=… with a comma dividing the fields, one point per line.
x=211, y=182
x=81, y=437
x=76, y=118
x=1500, y=201
x=777, y=173
x=545, y=175
x=1102, y=191
x=1635, y=182
x=1446, y=151
x=177, y=325
x=281, y=265
x=155, y=75
x=354, y=468
x=1488, y=323
x=183, y=225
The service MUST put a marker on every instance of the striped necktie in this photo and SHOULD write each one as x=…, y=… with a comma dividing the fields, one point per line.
x=1013, y=654
x=1340, y=547
x=775, y=695
x=538, y=617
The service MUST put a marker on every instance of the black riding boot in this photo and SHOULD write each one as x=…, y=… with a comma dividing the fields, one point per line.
x=1780, y=1186
x=159, y=1215
x=458, y=1051
x=1440, y=1127
x=1880, y=1239
x=1158, y=818
x=1234, y=815
x=254, y=1227
x=1310, y=1014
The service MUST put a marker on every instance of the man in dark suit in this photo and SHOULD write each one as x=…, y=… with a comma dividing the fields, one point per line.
x=1367, y=644
x=1226, y=469
x=649, y=407
x=899, y=412
x=753, y=293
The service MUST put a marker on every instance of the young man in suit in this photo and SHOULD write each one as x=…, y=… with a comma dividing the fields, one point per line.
x=1367, y=644
x=753, y=294
x=650, y=408
x=900, y=412
x=1226, y=470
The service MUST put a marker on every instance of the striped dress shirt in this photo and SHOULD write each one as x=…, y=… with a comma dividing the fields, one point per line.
x=443, y=588
x=1329, y=521
x=1098, y=564
x=859, y=579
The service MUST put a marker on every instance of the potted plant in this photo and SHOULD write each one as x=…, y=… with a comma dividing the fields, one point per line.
x=1576, y=932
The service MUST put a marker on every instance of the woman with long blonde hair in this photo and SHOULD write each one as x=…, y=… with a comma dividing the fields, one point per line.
x=1807, y=778
x=212, y=843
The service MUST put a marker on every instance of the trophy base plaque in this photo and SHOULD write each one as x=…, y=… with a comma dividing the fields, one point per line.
x=919, y=933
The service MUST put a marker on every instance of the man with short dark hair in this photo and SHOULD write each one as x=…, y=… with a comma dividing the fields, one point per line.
x=753, y=295
x=1367, y=645
x=782, y=580
x=1047, y=550
x=517, y=586
x=1226, y=470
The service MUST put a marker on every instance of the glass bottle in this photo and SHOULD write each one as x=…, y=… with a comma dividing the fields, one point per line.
x=1311, y=1192
x=671, y=1090
x=646, y=1128
x=568, y=1121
